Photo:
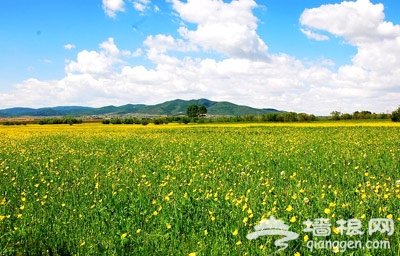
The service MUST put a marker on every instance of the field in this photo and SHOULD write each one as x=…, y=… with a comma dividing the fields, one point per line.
x=95, y=189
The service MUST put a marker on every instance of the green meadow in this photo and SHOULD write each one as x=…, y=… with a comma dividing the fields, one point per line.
x=94, y=189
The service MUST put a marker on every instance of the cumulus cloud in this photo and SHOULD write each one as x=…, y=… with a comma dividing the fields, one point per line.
x=358, y=22
x=228, y=28
x=93, y=62
x=69, y=46
x=111, y=7
x=362, y=25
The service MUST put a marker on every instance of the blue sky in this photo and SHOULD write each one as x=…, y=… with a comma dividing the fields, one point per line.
x=306, y=56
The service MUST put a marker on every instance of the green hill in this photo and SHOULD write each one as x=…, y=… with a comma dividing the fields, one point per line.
x=178, y=107
x=174, y=107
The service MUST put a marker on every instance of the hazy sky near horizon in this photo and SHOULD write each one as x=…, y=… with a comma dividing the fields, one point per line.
x=306, y=56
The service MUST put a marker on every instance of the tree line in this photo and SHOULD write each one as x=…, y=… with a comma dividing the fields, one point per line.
x=196, y=114
x=143, y=121
x=64, y=120
x=357, y=115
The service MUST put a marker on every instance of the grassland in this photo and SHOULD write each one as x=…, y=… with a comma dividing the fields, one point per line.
x=94, y=189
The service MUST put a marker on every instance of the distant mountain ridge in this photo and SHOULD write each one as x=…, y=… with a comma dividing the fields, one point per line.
x=173, y=107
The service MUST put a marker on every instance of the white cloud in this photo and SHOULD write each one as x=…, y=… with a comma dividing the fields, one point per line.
x=358, y=22
x=136, y=53
x=90, y=62
x=312, y=35
x=109, y=47
x=375, y=69
x=98, y=63
x=111, y=7
x=228, y=28
x=141, y=5
x=144, y=6
x=164, y=43
x=69, y=46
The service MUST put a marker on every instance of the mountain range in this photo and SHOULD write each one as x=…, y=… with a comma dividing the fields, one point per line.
x=174, y=107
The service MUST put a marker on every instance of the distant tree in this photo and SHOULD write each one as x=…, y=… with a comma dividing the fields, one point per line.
x=128, y=121
x=335, y=115
x=396, y=115
x=202, y=110
x=158, y=121
x=280, y=117
x=192, y=110
x=366, y=114
x=116, y=121
x=356, y=115
x=313, y=117
x=185, y=120
x=66, y=120
x=346, y=116
x=383, y=116
x=270, y=117
x=362, y=115
x=105, y=121
x=237, y=119
x=290, y=117
x=201, y=120
x=249, y=118
x=303, y=117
